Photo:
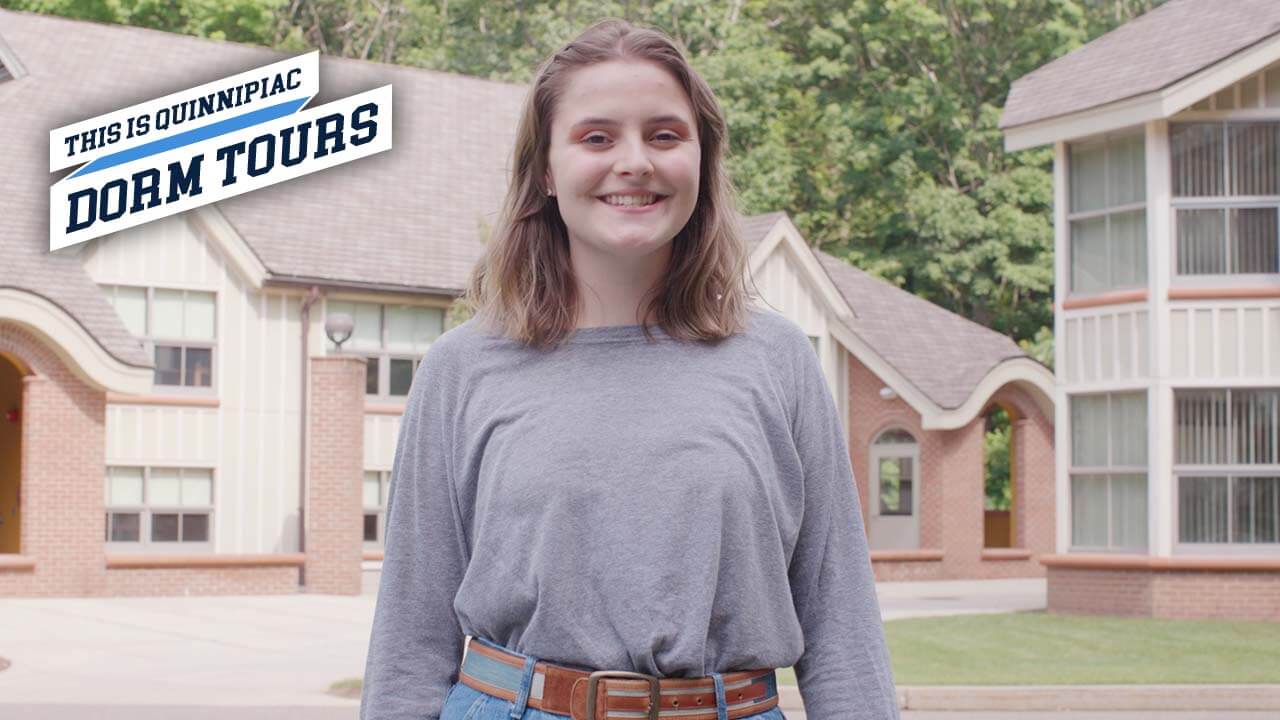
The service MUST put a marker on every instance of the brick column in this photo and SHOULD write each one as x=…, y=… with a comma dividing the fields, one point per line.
x=335, y=462
x=62, y=490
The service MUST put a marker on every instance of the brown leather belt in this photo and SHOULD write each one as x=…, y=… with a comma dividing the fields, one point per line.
x=586, y=695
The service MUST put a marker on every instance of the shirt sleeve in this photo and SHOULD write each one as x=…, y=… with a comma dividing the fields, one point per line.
x=415, y=647
x=844, y=673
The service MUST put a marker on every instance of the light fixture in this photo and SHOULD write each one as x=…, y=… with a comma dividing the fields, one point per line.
x=887, y=393
x=338, y=327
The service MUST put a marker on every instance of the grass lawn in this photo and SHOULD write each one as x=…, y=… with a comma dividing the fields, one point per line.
x=1041, y=648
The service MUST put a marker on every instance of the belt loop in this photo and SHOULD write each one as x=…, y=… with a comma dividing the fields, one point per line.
x=722, y=705
x=526, y=682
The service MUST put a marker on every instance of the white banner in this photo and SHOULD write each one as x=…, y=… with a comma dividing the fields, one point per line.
x=206, y=144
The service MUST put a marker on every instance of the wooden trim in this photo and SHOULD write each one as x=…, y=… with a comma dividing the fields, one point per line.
x=134, y=562
x=1145, y=562
x=372, y=555
x=997, y=554
x=16, y=562
x=383, y=409
x=168, y=400
x=1117, y=297
x=906, y=556
x=1255, y=292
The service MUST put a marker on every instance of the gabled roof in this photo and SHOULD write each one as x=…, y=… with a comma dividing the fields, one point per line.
x=944, y=355
x=1148, y=54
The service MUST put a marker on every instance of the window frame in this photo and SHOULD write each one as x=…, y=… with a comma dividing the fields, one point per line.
x=1106, y=140
x=1109, y=471
x=1228, y=471
x=884, y=449
x=150, y=341
x=144, y=543
x=1226, y=202
x=384, y=487
x=385, y=356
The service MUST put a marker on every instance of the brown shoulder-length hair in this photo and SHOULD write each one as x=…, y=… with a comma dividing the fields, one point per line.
x=524, y=287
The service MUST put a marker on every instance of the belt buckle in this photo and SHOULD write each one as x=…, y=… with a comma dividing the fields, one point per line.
x=594, y=679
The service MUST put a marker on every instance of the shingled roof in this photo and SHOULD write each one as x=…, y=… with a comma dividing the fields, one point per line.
x=942, y=354
x=1147, y=54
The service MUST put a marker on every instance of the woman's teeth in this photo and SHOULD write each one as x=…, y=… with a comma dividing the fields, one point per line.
x=630, y=200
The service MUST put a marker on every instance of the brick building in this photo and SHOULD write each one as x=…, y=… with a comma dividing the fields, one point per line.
x=1167, y=316
x=177, y=421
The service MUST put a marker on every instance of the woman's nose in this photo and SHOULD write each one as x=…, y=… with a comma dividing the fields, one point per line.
x=633, y=159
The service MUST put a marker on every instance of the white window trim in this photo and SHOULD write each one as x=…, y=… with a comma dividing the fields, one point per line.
x=1108, y=471
x=144, y=544
x=1071, y=215
x=384, y=487
x=150, y=341
x=881, y=451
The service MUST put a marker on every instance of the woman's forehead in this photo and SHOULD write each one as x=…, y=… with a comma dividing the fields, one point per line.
x=623, y=91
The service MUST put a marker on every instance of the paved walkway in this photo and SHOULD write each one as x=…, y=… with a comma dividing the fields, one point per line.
x=274, y=651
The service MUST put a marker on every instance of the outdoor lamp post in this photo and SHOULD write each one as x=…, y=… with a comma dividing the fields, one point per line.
x=338, y=327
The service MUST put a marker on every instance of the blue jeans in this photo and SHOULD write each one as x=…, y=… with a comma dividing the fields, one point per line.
x=466, y=703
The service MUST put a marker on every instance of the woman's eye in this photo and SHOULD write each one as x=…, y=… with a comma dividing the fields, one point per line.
x=667, y=137
x=588, y=139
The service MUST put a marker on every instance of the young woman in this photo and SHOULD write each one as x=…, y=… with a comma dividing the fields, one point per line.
x=630, y=520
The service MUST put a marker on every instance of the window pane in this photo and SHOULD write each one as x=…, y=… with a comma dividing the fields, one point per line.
x=1253, y=241
x=125, y=486
x=131, y=305
x=1128, y=429
x=371, y=527
x=164, y=527
x=1202, y=247
x=895, y=437
x=371, y=377
x=199, y=367
x=1089, y=255
x=1256, y=504
x=367, y=333
x=164, y=489
x=1129, y=511
x=1087, y=167
x=166, y=314
x=195, y=528
x=892, y=499
x=1089, y=510
x=1128, y=249
x=370, y=490
x=197, y=487
x=168, y=365
x=1254, y=416
x=1089, y=430
x=1200, y=427
x=1202, y=509
x=1254, y=150
x=401, y=376
x=1126, y=171
x=1197, y=159
x=124, y=527
x=199, y=316
x=411, y=329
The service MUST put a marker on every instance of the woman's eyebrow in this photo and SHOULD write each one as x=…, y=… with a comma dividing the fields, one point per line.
x=614, y=123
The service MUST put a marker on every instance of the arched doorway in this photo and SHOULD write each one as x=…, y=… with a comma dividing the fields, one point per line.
x=999, y=482
x=10, y=454
x=895, y=506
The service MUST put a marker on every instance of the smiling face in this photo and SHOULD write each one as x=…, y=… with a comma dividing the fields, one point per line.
x=624, y=159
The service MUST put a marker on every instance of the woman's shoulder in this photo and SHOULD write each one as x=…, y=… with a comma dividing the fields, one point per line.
x=777, y=331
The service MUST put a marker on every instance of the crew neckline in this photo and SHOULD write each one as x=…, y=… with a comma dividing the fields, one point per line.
x=614, y=333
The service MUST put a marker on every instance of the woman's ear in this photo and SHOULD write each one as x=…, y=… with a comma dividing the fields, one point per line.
x=550, y=186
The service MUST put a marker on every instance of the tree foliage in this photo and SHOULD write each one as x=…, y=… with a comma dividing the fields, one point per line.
x=873, y=123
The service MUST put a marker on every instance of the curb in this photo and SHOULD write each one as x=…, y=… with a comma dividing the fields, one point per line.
x=1074, y=697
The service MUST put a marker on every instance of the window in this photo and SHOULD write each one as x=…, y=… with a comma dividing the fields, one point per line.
x=393, y=338
x=1227, y=465
x=375, y=506
x=176, y=326
x=1226, y=188
x=155, y=505
x=814, y=340
x=1109, y=471
x=1107, y=213
x=896, y=455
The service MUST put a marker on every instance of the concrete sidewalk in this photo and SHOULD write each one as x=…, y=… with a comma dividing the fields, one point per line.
x=285, y=651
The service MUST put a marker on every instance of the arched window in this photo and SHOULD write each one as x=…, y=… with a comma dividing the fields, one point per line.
x=896, y=455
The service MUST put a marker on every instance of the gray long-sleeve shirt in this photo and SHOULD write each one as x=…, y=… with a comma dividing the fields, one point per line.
x=669, y=507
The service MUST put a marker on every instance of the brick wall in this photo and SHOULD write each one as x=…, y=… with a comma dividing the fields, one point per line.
x=63, y=446
x=1234, y=595
x=203, y=581
x=951, y=488
x=334, y=545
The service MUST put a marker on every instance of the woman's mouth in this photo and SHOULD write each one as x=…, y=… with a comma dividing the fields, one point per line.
x=632, y=203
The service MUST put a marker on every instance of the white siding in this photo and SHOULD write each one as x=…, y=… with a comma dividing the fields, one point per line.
x=380, y=435
x=252, y=439
x=1225, y=341
x=1106, y=345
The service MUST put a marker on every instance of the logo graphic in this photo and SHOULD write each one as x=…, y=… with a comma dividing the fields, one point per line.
x=206, y=144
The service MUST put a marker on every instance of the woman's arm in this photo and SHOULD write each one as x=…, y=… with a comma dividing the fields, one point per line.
x=844, y=673
x=416, y=643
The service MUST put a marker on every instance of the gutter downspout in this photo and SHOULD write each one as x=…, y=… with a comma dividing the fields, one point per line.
x=311, y=298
